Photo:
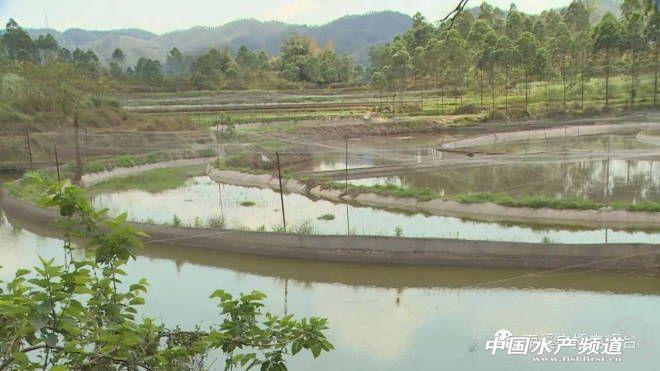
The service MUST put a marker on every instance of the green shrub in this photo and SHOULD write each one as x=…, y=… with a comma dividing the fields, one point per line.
x=176, y=221
x=125, y=161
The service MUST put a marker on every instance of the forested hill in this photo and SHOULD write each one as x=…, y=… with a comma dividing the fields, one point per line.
x=353, y=35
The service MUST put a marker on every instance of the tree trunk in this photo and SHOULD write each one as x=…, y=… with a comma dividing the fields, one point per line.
x=607, y=76
x=436, y=92
x=506, y=92
x=421, y=97
x=77, y=177
x=655, y=82
x=492, y=92
x=632, y=79
x=582, y=90
x=526, y=91
x=563, y=82
x=481, y=88
x=460, y=93
x=442, y=99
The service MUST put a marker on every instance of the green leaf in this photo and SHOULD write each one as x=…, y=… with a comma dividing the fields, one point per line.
x=296, y=347
x=50, y=340
x=22, y=272
x=20, y=357
x=316, y=350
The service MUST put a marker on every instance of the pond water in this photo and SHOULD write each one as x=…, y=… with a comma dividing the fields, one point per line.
x=201, y=200
x=389, y=317
x=600, y=180
x=376, y=151
x=621, y=141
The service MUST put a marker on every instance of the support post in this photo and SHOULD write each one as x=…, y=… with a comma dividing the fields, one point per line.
x=217, y=140
x=29, y=147
x=57, y=165
x=279, y=177
x=76, y=125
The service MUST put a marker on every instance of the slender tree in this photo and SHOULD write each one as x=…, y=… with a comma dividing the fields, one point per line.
x=607, y=40
x=526, y=47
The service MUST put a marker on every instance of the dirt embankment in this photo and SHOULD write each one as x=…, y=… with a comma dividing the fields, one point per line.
x=649, y=139
x=381, y=250
x=539, y=134
x=618, y=219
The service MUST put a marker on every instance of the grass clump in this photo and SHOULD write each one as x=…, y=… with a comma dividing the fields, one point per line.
x=239, y=163
x=534, y=202
x=327, y=217
x=279, y=229
x=421, y=194
x=248, y=203
x=305, y=228
x=215, y=222
x=644, y=206
x=154, y=181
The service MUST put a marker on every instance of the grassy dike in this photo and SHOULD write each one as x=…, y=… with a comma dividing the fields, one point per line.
x=528, y=201
x=156, y=180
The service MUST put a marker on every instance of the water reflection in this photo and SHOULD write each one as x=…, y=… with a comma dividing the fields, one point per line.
x=200, y=201
x=601, y=180
x=384, y=317
x=623, y=141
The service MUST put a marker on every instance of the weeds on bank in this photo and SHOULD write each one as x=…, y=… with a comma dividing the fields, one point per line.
x=305, y=228
x=215, y=222
x=537, y=202
x=644, y=206
x=534, y=202
x=421, y=194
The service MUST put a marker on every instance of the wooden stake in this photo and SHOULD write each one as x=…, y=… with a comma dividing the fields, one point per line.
x=29, y=147
x=217, y=141
x=279, y=176
x=86, y=145
x=57, y=165
x=76, y=126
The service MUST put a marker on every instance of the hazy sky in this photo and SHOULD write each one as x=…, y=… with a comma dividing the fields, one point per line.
x=163, y=15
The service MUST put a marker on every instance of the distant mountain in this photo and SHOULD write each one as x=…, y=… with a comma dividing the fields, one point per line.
x=353, y=35
x=598, y=9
